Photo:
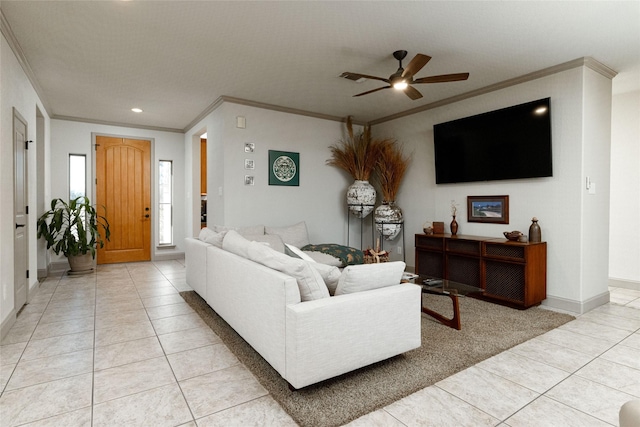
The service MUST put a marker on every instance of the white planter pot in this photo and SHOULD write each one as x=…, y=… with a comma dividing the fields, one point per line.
x=388, y=218
x=81, y=263
x=361, y=198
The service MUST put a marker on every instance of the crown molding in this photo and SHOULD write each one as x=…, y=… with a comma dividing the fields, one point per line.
x=8, y=34
x=580, y=62
x=126, y=125
x=287, y=109
x=210, y=109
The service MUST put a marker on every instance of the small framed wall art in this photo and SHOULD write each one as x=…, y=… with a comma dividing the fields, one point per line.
x=249, y=164
x=490, y=209
x=249, y=147
x=284, y=168
x=248, y=180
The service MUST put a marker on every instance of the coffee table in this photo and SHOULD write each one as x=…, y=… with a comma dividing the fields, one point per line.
x=454, y=290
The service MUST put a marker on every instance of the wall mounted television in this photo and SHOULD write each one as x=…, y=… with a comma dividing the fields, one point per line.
x=510, y=143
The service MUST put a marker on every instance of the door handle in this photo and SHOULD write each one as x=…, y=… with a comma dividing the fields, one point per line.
x=20, y=225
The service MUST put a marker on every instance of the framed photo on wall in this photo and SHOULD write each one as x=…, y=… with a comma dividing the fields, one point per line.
x=284, y=168
x=490, y=209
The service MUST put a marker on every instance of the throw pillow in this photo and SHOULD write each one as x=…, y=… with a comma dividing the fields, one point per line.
x=295, y=235
x=330, y=274
x=207, y=235
x=364, y=277
x=296, y=253
x=323, y=258
x=310, y=283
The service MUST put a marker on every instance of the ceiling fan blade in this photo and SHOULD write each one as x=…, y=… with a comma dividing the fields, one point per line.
x=413, y=93
x=371, y=91
x=443, y=78
x=355, y=76
x=415, y=65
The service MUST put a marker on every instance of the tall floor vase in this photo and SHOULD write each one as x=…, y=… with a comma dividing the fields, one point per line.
x=389, y=219
x=361, y=198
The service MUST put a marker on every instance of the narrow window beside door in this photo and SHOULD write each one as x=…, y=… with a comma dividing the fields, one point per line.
x=165, y=205
x=77, y=176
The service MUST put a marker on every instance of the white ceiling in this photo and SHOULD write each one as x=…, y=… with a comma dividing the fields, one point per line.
x=95, y=60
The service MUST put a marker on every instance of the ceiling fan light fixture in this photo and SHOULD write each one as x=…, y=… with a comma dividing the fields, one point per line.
x=401, y=85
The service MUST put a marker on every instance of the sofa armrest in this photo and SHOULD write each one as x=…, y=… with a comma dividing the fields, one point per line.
x=195, y=260
x=332, y=336
x=251, y=298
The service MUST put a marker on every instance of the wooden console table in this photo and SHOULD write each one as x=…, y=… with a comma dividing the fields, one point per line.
x=511, y=273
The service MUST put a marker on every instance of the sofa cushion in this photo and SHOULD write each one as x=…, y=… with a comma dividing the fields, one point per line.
x=295, y=235
x=243, y=231
x=309, y=281
x=236, y=244
x=358, y=278
x=272, y=240
x=207, y=235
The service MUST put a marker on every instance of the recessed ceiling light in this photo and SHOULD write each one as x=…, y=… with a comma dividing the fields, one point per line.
x=137, y=110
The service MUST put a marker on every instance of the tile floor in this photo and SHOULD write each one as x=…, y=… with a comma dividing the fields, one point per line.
x=120, y=347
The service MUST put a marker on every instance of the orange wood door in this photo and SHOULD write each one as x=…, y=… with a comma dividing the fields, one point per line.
x=203, y=166
x=123, y=174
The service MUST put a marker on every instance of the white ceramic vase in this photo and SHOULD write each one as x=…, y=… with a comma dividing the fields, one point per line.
x=361, y=198
x=388, y=218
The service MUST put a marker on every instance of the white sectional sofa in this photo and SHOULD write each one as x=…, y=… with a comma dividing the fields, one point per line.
x=282, y=307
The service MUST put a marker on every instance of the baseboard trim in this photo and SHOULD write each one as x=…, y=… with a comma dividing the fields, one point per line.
x=7, y=324
x=577, y=307
x=168, y=256
x=58, y=266
x=623, y=283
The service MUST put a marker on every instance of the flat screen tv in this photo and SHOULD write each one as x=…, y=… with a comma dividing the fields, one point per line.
x=510, y=143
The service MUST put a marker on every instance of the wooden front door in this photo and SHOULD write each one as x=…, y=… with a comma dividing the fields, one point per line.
x=123, y=174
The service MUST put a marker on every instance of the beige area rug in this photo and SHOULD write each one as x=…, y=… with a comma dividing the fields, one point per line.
x=487, y=329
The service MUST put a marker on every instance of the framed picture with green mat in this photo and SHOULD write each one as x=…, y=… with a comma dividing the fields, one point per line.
x=284, y=168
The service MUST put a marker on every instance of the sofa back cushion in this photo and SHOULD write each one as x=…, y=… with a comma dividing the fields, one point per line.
x=236, y=244
x=296, y=234
x=244, y=231
x=363, y=277
x=207, y=235
x=309, y=281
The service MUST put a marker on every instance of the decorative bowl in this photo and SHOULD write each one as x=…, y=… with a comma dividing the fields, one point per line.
x=514, y=236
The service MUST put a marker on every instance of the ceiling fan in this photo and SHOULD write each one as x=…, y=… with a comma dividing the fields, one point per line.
x=403, y=80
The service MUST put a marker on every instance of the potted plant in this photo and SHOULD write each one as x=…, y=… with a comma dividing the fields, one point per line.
x=75, y=229
x=357, y=155
x=391, y=167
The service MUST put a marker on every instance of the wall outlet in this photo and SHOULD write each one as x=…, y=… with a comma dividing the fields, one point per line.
x=399, y=250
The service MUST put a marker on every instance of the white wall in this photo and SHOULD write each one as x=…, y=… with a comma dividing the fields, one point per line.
x=319, y=200
x=69, y=137
x=16, y=92
x=624, y=268
x=557, y=201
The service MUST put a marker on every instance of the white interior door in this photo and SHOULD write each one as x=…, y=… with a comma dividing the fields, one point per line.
x=21, y=242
